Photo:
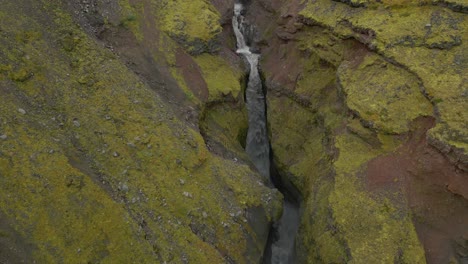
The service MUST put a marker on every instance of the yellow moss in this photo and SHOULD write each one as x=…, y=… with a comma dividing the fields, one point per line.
x=383, y=94
x=99, y=170
x=228, y=126
x=350, y=161
x=430, y=41
x=329, y=249
x=321, y=240
x=296, y=145
x=220, y=77
x=179, y=77
x=392, y=26
x=190, y=21
x=130, y=17
x=314, y=39
x=313, y=77
x=374, y=230
x=196, y=19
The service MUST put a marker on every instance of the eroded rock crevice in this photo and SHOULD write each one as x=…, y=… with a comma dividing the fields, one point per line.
x=280, y=247
x=352, y=47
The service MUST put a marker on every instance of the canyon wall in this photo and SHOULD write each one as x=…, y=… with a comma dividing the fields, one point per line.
x=123, y=125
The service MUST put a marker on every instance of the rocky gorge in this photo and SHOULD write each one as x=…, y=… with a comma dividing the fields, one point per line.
x=124, y=128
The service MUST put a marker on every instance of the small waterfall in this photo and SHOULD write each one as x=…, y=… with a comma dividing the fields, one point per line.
x=280, y=248
x=257, y=145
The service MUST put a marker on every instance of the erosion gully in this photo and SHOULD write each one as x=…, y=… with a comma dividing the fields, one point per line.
x=281, y=242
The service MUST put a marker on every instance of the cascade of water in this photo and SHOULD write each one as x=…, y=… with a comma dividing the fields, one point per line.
x=257, y=145
x=280, y=248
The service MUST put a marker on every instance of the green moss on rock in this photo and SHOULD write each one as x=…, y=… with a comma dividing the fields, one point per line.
x=374, y=230
x=332, y=230
x=97, y=168
x=227, y=125
x=297, y=146
x=428, y=41
x=222, y=80
x=386, y=96
x=194, y=24
x=130, y=18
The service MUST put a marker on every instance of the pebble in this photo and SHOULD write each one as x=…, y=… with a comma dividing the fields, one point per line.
x=22, y=111
x=204, y=214
x=182, y=182
x=124, y=187
x=76, y=123
x=3, y=137
x=428, y=25
x=187, y=194
x=115, y=154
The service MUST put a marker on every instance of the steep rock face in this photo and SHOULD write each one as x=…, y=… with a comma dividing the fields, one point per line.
x=366, y=107
x=101, y=158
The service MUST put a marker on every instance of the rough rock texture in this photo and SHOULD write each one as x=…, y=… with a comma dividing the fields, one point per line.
x=101, y=158
x=428, y=41
x=367, y=112
x=385, y=96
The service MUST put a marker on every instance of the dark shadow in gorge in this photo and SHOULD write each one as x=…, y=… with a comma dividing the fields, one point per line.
x=280, y=247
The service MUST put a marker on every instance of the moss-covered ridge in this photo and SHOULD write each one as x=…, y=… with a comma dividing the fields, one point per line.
x=94, y=165
x=387, y=97
x=185, y=38
x=194, y=24
x=428, y=41
x=342, y=222
x=374, y=229
x=324, y=147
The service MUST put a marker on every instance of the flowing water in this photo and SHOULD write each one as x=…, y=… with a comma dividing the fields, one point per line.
x=280, y=248
x=257, y=145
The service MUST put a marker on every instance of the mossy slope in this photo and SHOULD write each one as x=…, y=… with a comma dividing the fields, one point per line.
x=386, y=96
x=194, y=24
x=94, y=167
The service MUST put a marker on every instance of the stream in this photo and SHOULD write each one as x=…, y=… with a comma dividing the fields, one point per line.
x=280, y=248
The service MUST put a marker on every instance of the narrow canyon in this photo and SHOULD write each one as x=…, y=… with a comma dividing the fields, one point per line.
x=234, y=131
